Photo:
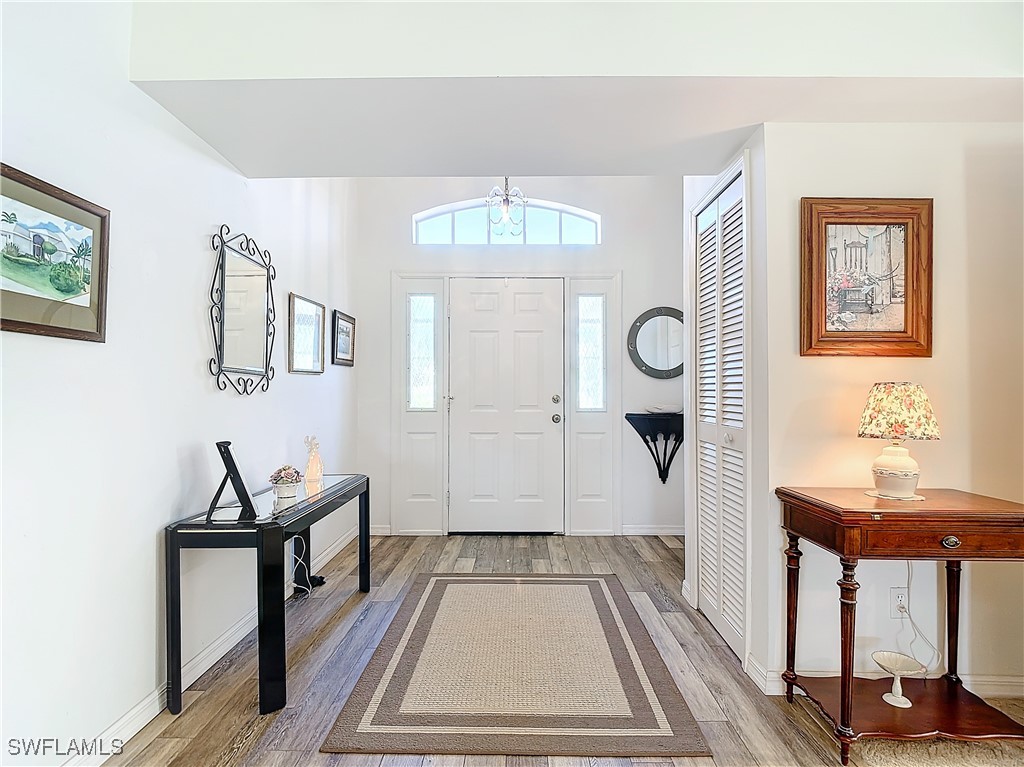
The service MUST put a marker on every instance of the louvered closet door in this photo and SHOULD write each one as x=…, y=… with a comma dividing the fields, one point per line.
x=721, y=416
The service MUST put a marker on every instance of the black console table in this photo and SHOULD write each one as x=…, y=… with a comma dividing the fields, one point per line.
x=276, y=522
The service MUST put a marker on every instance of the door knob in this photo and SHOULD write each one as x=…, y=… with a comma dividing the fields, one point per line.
x=556, y=418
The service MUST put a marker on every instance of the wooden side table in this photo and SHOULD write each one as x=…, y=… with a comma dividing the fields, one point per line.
x=950, y=526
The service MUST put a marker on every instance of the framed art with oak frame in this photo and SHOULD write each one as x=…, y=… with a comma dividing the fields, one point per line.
x=865, y=277
x=53, y=260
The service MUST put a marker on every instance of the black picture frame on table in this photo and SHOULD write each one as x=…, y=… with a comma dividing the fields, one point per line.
x=343, y=339
x=31, y=311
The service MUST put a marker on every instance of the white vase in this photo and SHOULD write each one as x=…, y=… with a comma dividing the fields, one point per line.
x=286, y=491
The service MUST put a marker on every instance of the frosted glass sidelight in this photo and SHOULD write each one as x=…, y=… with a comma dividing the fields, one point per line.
x=590, y=353
x=422, y=353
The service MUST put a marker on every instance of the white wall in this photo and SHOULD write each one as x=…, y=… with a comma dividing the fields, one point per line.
x=974, y=379
x=428, y=39
x=105, y=444
x=642, y=237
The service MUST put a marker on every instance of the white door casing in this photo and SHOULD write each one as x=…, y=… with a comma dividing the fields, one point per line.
x=507, y=406
x=721, y=455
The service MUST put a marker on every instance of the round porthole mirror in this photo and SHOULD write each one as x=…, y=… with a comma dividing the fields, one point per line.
x=656, y=342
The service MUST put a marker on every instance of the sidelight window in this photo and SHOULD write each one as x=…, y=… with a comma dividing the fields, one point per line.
x=422, y=394
x=590, y=352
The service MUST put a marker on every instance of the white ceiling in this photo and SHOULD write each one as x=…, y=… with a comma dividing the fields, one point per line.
x=554, y=126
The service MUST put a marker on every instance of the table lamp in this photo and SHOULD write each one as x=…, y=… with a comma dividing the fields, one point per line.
x=897, y=410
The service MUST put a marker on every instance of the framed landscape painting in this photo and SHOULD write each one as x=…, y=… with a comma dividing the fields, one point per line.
x=866, y=277
x=53, y=260
x=344, y=336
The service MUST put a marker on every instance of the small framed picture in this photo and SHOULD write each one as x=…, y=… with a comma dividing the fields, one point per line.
x=53, y=260
x=344, y=347
x=306, y=321
x=866, y=277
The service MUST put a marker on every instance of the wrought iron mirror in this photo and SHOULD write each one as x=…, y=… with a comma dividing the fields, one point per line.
x=241, y=313
x=656, y=342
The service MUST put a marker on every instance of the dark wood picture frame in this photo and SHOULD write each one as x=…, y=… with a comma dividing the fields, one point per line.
x=291, y=335
x=336, y=357
x=912, y=218
x=97, y=273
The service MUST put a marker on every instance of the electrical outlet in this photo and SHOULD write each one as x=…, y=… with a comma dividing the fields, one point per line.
x=898, y=602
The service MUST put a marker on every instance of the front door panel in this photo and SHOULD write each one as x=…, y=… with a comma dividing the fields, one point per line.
x=507, y=457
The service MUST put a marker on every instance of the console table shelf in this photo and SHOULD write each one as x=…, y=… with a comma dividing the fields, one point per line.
x=942, y=708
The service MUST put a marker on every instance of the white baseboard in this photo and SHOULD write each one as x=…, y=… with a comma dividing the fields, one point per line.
x=983, y=685
x=418, y=532
x=767, y=682
x=687, y=592
x=989, y=686
x=652, y=530
x=380, y=529
x=143, y=712
x=331, y=551
x=217, y=649
x=591, y=532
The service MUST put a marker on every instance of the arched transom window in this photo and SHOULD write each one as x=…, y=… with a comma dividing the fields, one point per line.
x=467, y=223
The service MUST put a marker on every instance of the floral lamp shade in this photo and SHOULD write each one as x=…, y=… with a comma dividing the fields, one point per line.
x=897, y=411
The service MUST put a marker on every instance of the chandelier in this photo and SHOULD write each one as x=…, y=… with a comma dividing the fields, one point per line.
x=506, y=210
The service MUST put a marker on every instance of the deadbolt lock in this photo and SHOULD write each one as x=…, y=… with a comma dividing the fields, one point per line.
x=556, y=399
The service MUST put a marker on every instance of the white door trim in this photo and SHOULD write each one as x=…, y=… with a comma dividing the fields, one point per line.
x=615, y=354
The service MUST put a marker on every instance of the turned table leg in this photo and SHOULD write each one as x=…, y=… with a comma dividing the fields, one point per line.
x=793, y=555
x=848, y=615
x=952, y=617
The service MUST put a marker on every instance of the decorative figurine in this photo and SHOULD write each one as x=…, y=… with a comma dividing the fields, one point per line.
x=899, y=665
x=314, y=466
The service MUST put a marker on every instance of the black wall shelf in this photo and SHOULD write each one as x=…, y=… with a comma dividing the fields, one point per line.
x=668, y=426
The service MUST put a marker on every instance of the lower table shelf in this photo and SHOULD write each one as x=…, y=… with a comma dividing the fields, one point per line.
x=941, y=707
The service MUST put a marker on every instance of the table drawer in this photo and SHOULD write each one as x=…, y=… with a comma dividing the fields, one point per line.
x=943, y=543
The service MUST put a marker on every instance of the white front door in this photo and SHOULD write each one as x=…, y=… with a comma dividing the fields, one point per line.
x=506, y=436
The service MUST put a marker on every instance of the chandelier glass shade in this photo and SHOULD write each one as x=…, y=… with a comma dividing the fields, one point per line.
x=506, y=210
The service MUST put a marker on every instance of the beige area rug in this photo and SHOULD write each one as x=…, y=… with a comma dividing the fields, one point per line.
x=520, y=665
x=938, y=753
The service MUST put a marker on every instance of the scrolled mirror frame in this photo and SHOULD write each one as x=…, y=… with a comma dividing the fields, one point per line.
x=634, y=331
x=243, y=243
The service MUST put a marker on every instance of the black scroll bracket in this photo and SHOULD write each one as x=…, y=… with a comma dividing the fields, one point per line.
x=668, y=426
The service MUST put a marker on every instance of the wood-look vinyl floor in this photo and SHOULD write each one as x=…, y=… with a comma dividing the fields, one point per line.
x=332, y=635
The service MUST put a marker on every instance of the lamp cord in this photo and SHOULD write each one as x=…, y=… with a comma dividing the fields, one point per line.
x=936, y=654
x=297, y=563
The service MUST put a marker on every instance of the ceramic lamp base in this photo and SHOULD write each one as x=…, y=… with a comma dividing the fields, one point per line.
x=896, y=474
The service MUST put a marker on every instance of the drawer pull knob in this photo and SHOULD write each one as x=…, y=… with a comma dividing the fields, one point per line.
x=951, y=542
